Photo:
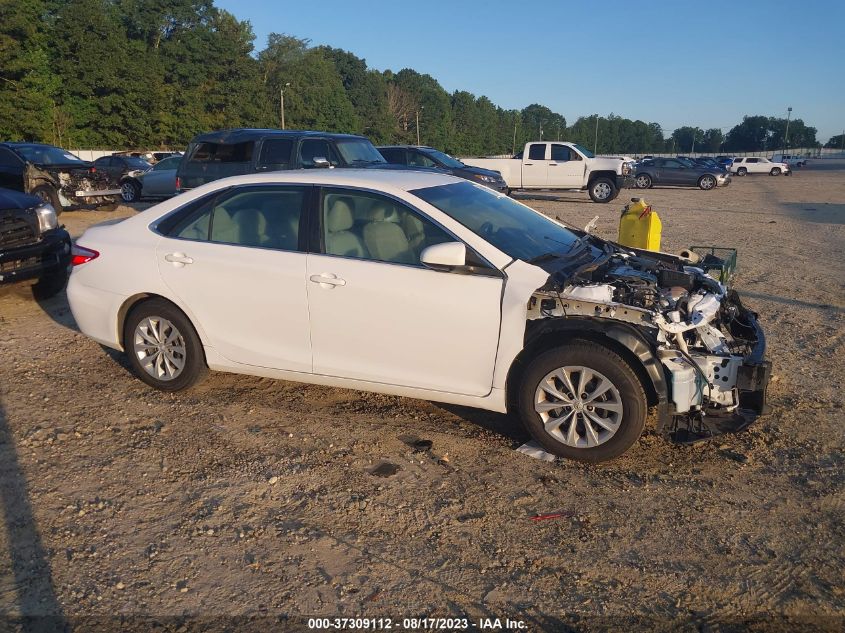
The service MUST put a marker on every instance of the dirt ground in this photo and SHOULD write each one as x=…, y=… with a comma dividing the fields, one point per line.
x=252, y=501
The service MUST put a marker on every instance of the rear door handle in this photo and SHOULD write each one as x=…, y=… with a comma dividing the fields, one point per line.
x=178, y=259
x=327, y=280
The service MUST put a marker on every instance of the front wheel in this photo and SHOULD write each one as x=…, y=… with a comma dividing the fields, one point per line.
x=130, y=191
x=742, y=171
x=582, y=401
x=707, y=182
x=602, y=190
x=49, y=195
x=163, y=346
x=775, y=171
x=51, y=285
x=643, y=181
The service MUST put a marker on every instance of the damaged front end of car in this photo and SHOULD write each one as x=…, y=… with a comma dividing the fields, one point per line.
x=701, y=351
x=75, y=186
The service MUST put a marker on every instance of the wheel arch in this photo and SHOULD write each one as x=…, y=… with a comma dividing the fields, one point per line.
x=623, y=339
x=137, y=299
x=602, y=173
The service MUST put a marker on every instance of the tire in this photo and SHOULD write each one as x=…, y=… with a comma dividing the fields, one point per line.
x=707, y=182
x=130, y=191
x=643, y=181
x=155, y=321
x=509, y=192
x=583, y=359
x=51, y=285
x=49, y=195
x=602, y=190
x=742, y=171
x=775, y=171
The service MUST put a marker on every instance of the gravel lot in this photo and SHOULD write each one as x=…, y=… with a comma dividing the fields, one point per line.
x=256, y=499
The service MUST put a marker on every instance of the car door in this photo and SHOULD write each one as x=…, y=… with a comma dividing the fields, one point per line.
x=672, y=172
x=379, y=315
x=235, y=262
x=160, y=181
x=753, y=165
x=311, y=149
x=535, y=168
x=566, y=168
x=11, y=170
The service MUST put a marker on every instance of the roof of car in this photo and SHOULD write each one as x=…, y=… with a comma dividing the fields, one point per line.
x=242, y=135
x=403, y=147
x=379, y=179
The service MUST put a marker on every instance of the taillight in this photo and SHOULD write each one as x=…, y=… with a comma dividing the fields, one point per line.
x=178, y=183
x=81, y=255
x=93, y=170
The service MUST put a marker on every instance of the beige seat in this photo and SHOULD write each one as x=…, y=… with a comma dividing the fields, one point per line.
x=224, y=228
x=339, y=239
x=414, y=231
x=386, y=241
x=250, y=227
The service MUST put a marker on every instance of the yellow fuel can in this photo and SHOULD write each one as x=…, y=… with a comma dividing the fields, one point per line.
x=640, y=226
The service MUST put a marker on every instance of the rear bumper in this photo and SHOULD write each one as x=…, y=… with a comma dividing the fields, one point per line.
x=44, y=258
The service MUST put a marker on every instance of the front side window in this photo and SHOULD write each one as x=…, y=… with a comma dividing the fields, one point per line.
x=263, y=217
x=537, y=151
x=312, y=149
x=369, y=226
x=444, y=159
x=418, y=159
x=672, y=164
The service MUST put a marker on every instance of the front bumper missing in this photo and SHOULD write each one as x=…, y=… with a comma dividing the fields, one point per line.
x=752, y=384
x=91, y=193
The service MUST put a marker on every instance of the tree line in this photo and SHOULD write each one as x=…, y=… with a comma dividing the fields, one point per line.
x=154, y=73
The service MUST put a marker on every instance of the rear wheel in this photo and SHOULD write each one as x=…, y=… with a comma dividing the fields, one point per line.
x=643, y=181
x=582, y=401
x=602, y=190
x=163, y=346
x=742, y=171
x=707, y=182
x=775, y=171
x=49, y=195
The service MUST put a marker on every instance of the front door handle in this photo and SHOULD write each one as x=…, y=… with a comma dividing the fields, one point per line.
x=327, y=280
x=178, y=259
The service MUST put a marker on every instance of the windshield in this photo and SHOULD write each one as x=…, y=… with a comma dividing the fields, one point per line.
x=47, y=155
x=356, y=151
x=133, y=162
x=443, y=158
x=508, y=225
x=584, y=151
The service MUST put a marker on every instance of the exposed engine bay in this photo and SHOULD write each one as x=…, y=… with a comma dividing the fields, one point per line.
x=708, y=344
x=75, y=186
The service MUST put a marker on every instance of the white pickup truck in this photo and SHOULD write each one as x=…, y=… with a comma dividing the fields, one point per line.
x=560, y=165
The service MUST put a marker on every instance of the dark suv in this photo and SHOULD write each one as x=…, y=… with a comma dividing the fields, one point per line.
x=32, y=244
x=422, y=157
x=227, y=153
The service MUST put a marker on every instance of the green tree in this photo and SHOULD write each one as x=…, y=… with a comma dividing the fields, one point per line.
x=431, y=101
x=688, y=139
x=836, y=142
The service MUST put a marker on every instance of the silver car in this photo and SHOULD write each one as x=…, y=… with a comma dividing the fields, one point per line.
x=160, y=181
x=678, y=173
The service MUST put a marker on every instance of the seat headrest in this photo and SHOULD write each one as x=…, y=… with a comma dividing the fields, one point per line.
x=339, y=217
x=412, y=225
x=378, y=212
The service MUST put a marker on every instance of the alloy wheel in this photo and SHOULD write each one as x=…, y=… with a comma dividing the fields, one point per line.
x=643, y=181
x=159, y=347
x=127, y=192
x=602, y=190
x=708, y=182
x=579, y=406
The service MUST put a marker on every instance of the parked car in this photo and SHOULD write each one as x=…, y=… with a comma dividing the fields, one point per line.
x=125, y=171
x=160, y=180
x=709, y=163
x=429, y=158
x=233, y=152
x=33, y=247
x=678, y=172
x=54, y=175
x=423, y=285
x=759, y=165
x=793, y=160
x=559, y=165
x=725, y=161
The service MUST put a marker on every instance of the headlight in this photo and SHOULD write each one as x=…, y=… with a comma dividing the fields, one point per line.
x=627, y=168
x=47, y=219
x=483, y=178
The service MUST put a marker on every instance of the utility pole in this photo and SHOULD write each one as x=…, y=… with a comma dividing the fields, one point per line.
x=786, y=135
x=596, y=137
x=418, y=124
x=282, y=102
x=513, y=147
x=692, y=150
x=541, y=131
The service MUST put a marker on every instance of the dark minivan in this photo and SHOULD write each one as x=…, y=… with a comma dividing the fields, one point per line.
x=227, y=153
x=422, y=157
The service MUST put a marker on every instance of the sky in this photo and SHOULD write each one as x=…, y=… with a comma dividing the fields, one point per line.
x=704, y=63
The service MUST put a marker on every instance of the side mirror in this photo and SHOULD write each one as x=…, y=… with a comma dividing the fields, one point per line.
x=444, y=257
x=321, y=161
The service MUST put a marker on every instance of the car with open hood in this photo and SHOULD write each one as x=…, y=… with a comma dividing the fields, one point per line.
x=429, y=286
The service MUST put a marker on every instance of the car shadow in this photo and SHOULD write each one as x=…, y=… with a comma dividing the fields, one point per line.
x=816, y=212
x=58, y=309
x=499, y=423
x=37, y=606
x=792, y=302
x=553, y=197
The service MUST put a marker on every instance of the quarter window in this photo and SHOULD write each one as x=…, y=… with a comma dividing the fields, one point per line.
x=752, y=160
x=368, y=226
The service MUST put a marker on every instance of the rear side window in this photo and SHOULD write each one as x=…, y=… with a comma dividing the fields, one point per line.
x=537, y=151
x=737, y=160
x=560, y=152
x=263, y=217
x=752, y=160
x=275, y=154
x=223, y=152
x=394, y=156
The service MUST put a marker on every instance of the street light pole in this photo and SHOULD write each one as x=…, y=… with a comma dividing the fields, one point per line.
x=596, y=137
x=786, y=135
x=282, y=103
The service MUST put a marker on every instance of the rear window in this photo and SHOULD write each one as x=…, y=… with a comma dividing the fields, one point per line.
x=223, y=152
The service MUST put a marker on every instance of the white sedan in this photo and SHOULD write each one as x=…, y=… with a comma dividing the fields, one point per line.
x=418, y=285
